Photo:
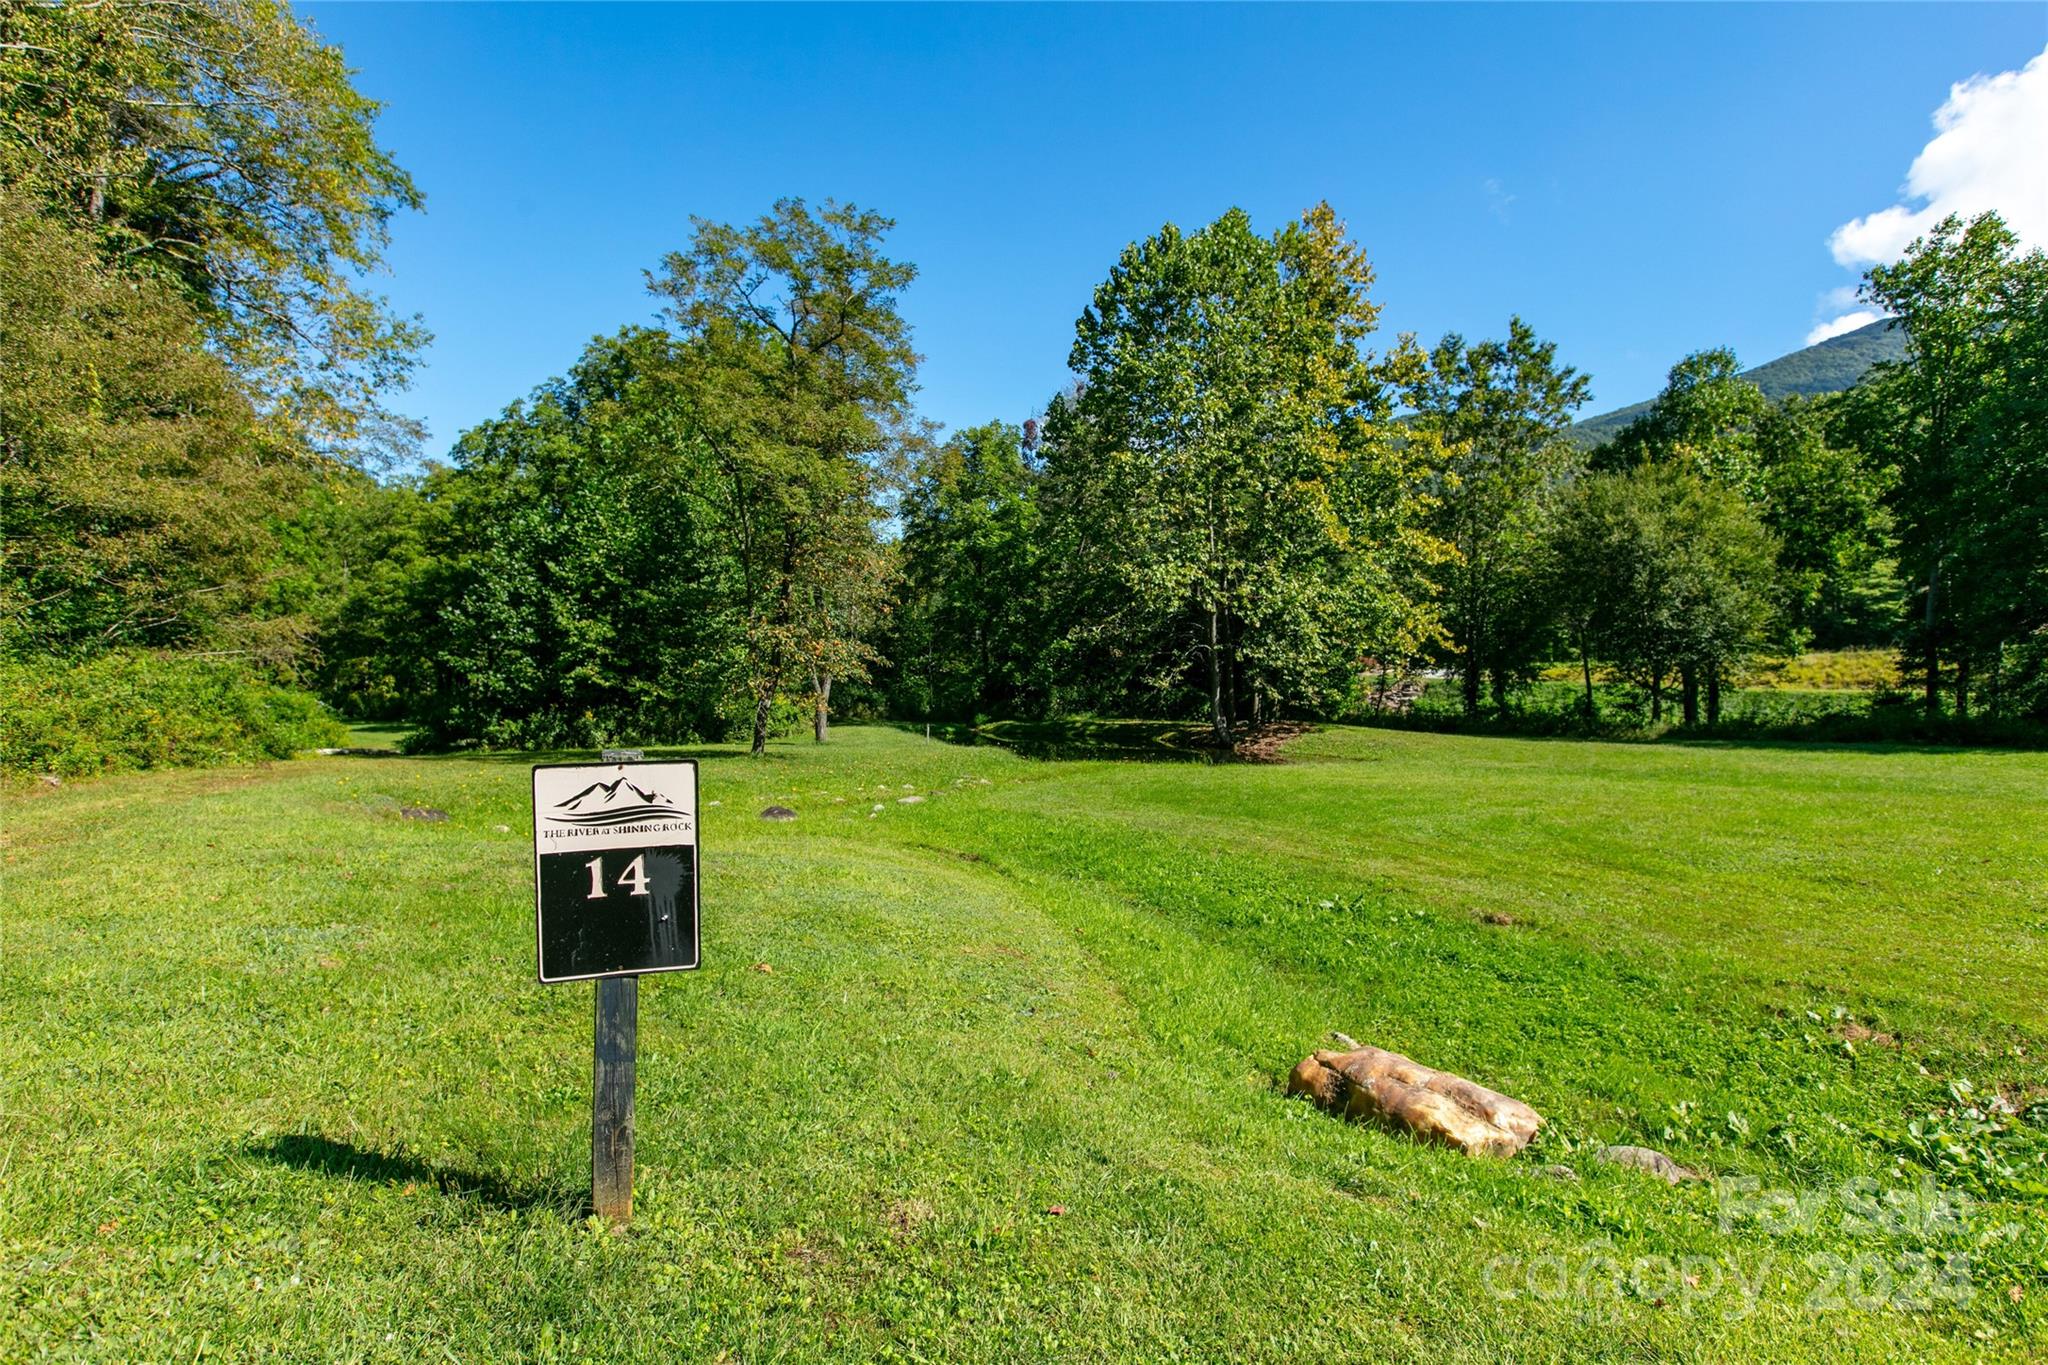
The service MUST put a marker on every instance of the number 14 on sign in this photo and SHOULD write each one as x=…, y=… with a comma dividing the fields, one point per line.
x=633, y=879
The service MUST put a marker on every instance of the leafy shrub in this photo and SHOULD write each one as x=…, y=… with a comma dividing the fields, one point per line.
x=1766, y=708
x=133, y=710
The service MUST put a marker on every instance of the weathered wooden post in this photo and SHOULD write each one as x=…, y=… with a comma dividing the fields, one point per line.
x=611, y=1098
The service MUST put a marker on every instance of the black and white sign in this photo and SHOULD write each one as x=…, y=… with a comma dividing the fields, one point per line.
x=615, y=869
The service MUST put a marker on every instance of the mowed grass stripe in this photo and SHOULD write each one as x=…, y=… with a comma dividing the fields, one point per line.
x=1811, y=867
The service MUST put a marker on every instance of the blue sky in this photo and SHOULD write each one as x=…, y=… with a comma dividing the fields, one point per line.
x=1637, y=181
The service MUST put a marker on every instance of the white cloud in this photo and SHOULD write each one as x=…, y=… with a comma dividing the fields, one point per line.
x=1987, y=153
x=1842, y=296
x=1847, y=322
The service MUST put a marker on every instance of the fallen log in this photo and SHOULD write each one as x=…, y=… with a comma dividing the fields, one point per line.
x=1370, y=1084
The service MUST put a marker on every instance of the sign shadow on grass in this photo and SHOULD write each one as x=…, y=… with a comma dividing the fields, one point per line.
x=328, y=1156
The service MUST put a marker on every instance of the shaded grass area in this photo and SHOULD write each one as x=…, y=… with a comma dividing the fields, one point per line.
x=280, y=1081
x=1138, y=741
x=375, y=734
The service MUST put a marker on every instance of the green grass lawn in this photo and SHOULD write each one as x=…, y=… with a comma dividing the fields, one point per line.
x=996, y=1076
x=376, y=734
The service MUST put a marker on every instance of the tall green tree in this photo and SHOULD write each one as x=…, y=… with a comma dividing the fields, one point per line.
x=1969, y=301
x=845, y=595
x=969, y=638
x=139, y=492
x=2003, y=482
x=796, y=381
x=1499, y=410
x=1817, y=492
x=1707, y=418
x=579, y=588
x=220, y=145
x=1824, y=499
x=1663, y=573
x=371, y=568
x=1226, y=474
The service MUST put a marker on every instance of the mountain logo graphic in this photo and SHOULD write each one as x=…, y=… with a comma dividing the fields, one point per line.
x=618, y=802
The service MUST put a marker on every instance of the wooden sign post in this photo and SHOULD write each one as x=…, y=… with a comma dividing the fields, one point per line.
x=611, y=1098
x=615, y=897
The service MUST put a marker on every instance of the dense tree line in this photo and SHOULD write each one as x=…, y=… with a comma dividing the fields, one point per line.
x=731, y=523
x=1191, y=535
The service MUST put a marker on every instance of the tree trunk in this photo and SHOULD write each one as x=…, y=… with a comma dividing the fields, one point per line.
x=1689, y=685
x=1470, y=682
x=1233, y=676
x=1714, y=695
x=761, y=702
x=1933, y=645
x=1962, y=687
x=1657, y=696
x=1586, y=667
x=821, y=689
x=1500, y=689
x=1217, y=721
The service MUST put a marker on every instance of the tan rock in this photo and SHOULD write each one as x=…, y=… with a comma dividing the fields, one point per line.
x=1372, y=1084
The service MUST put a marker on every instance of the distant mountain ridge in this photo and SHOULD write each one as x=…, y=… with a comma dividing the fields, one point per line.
x=1824, y=367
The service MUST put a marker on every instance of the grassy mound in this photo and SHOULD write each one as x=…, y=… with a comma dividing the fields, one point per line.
x=1008, y=1086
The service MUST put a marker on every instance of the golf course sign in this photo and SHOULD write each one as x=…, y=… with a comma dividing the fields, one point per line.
x=615, y=869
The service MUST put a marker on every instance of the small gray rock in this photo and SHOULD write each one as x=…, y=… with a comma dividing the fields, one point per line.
x=1559, y=1172
x=908, y=800
x=1651, y=1160
x=426, y=813
x=51, y=780
x=502, y=829
x=778, y=813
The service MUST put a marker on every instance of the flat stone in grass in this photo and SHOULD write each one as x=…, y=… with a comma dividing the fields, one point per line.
x=426, y=813
x=778, y=813
x=1371, y=1084
x=1651, y=1160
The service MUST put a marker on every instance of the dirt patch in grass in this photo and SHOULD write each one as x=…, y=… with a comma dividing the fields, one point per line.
x=905, y=1216
x=1257, y=743
x=1854, y=1032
